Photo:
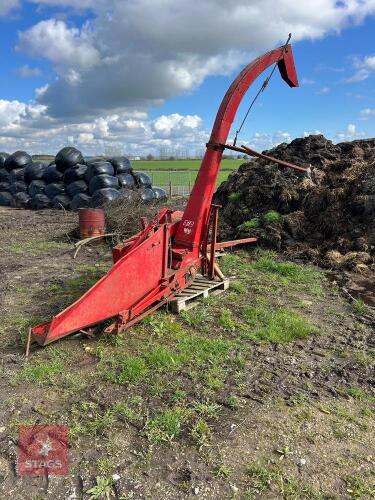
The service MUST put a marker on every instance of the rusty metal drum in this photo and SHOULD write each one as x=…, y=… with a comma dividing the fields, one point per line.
x=91, y=222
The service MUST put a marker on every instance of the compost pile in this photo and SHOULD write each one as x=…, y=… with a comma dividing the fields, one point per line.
x=327, y=218
x=71, y=182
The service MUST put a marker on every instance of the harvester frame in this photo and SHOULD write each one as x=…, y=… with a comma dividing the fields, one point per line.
x=164, y=258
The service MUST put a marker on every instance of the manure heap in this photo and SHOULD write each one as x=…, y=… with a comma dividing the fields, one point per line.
x=328, y=218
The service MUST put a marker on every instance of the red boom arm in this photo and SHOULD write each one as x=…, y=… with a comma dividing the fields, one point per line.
x=197, y=211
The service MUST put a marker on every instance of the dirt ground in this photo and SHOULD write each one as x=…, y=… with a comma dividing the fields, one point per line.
x=266, y=391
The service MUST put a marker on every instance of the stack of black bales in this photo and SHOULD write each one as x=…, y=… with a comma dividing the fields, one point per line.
x=70, y=182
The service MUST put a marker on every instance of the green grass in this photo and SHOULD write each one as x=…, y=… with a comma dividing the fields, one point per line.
x=103, y=490
x=196, y=316
x=249, y=224
x=272, y=216
x=280, y=326
x=358, y=488
x=163, y=358
x=187, y=350
x=233, y=197
x=192, y=165
x=201, y=432
x=359, y=307
x=133, y=369
x=260, y=477
x=263, y=477
x=226, y=320
x=206, y=409
x=222, y=471
x=181, y=172
x=360, y=394
x=292, y=272
x=127, y=411
x=87, y=418
x=165, y=426
x=32, y=246
x=44, y=371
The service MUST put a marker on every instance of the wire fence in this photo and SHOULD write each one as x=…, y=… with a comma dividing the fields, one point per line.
x=177, y=183
x=174, y=183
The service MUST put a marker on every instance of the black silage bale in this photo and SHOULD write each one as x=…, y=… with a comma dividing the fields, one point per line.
x=160, y=194
x=76, y=187
x=143, y=180
x=4, y=175
x=51, y=174
x=17, y=174
x=104, y=196
x=80, y=200
x=147, y=195
x=17, y=187
x=68, y=157
x=61, y=201
x=40, y=201
x=99, y=168
x=22, y=200
x=126, y=180
x=102, y=182
x=54, y=189
x=6, y=199
x=35, y=171
x=19, y=159
x=36, y=187
x=75, y=174
x=3, y=157
x=121, y=164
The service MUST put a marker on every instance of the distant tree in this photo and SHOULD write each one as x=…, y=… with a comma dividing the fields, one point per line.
x=150, y=157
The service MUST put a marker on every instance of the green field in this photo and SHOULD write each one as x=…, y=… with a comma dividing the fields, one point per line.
x=193, y=165
x=180, y=172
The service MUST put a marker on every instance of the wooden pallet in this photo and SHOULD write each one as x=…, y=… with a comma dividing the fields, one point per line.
x=200, y=288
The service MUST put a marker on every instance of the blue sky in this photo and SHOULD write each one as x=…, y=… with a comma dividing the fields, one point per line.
x=109, y=75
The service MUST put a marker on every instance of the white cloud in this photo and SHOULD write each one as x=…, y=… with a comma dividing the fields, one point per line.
x=29, y=127
x=364, y=67
x=76, y=4
x=262, y=141
x=312, y=132
x=86, y=138
x=6, y=6
x=351, y=129
x=26, y=71
x=307, y=81
x=324, y=90
x=367, y=113
x=68, y=48
x=123, y=60
x=175, y=123
x=349, y=134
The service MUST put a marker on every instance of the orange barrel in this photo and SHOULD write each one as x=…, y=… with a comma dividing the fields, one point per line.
x=91, y=222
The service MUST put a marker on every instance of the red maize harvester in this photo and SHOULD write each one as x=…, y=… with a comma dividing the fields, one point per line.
x=164, y=258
